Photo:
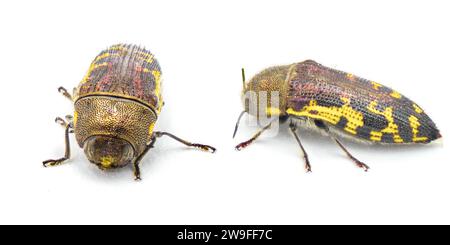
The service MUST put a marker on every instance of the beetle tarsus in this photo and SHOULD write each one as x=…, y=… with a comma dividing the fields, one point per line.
x=307, y=165
x=64, y=92
x=204, y=147
x=246, y=143
x=358, y=163
x=61, y=121
x=53, y=162
x=362, y=165
x=137, y=172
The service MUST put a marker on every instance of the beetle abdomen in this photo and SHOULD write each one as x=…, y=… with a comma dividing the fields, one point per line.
x=125, y=71
x=362, y=108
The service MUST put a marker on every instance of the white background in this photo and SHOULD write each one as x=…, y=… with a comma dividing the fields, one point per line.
x=201, y=46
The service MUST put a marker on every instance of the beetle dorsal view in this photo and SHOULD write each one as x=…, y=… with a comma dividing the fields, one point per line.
x=337, y=103
x=117, y=105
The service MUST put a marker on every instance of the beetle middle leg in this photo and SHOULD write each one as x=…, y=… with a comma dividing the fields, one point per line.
x=68, y=129
x=320, y=124
x=159, y=134
x=293, y=128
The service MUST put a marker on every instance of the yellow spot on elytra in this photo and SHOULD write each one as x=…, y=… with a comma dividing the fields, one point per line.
x=106, y=54
x=149, y=59
x=106, y=161
x=375, y=135
x=146, y=56
x=273, y=111
x=396, y=94
x=349, y=75
x=92, y=67
x=75, y=118
x=117, y=47
x=99, y=65
x=414, y=123
x=157, y=76
x=417, y=108
x=332, y=114
x=376, y=85
x=391, y=128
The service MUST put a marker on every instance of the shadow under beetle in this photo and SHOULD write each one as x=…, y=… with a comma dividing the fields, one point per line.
x=116, y=107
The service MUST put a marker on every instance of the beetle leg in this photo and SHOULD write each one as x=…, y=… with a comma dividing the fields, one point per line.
x=137, y=171
x=68, y=129
x=357, y=162
x=64, y=92
x=158, y=134
x=320, y=124
x=248, y=142
x=293, y=128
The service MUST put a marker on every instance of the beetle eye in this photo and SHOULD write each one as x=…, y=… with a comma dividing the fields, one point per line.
x=108, y=152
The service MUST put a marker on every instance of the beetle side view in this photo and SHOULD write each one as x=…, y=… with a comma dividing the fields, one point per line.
x=337, y=103
x=116, y=107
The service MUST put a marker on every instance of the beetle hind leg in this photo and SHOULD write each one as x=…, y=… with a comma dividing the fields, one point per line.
x=355, y=160
x=320, y=124
x=293, y=128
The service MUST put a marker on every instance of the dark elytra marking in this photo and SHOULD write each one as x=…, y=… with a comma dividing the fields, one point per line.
x=342, y=122
x=375, y=122
x=363, y=132
x=387, y=138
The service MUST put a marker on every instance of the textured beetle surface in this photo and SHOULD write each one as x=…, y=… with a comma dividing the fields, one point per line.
x=119, y=96
x=358, y=107
x=335, y=102
x=116, y=107
x=124, y=70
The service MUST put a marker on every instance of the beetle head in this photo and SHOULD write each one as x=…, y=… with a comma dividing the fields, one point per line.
x=108, y=152
x=266, y=92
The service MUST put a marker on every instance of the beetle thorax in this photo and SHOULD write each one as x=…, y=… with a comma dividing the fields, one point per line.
x=113, y=117
x=266, y=92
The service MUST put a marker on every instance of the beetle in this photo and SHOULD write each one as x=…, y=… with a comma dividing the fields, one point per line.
x=336, y=103
x=117, y=104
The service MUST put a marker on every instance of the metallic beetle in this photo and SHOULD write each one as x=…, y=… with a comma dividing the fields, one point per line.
x=336, y=102
x=116, y=107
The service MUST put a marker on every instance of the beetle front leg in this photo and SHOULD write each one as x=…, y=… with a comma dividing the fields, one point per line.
x=68, y=129
x=248, y=142
x=66, y=94
x=159, y=134
x=137, y=170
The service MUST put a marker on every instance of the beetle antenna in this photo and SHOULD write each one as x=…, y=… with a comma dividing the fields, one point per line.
x=237, y=123
x=243, y=77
